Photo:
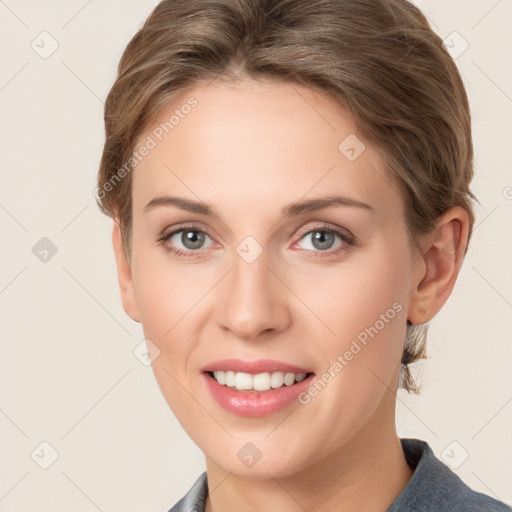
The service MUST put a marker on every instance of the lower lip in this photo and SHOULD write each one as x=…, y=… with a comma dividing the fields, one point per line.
x=257, y=403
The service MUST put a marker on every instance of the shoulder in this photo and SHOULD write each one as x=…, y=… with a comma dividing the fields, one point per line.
x=195, y=499
x=435, y=487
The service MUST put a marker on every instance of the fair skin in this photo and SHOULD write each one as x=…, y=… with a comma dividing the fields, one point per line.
x=248, y=150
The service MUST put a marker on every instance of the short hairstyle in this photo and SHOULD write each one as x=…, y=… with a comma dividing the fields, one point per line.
x=379, y=59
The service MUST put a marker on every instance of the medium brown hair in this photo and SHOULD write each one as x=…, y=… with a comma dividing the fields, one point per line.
x=378, y=58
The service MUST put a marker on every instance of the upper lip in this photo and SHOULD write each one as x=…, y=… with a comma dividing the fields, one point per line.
x=255, y=367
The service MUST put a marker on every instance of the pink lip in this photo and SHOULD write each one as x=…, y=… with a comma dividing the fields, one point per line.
x=255, y=403
x=255, y=367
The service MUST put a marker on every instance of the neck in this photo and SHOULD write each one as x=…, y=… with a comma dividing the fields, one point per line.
x=366, y=473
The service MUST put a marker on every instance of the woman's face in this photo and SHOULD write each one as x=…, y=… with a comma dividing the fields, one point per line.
x=322, y=290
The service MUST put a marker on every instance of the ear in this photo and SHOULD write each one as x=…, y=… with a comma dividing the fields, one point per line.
x=124, y=275
x=442, y=255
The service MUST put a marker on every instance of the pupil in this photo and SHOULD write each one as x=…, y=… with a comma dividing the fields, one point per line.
x=320, y=238
x=192, y=239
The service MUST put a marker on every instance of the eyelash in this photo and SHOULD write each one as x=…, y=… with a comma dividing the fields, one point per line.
x=348, y=240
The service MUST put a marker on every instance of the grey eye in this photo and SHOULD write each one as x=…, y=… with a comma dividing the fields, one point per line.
x=321, y=240
x=190, y=238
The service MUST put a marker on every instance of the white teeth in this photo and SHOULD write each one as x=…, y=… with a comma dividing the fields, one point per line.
x=230, y=378
x=243, y=380
x=261, y=382
x=220, y=377
x=258, y=382
x=289, y=379
x=277, y=380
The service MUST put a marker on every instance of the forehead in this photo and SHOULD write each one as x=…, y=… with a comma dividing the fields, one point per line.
x=260, y=142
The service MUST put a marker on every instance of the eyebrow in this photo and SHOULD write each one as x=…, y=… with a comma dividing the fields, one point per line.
x=291, y=210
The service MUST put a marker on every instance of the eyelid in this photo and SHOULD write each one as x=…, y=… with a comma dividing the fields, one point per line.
x=347, y=238
x=167, y=232
x=324, y=226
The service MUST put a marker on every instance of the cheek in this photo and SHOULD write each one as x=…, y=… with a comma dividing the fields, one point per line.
x=362, y=306
x=353, y=297
x=167, y=309
x=165, y=291
x=166, y=302
x=170, y=296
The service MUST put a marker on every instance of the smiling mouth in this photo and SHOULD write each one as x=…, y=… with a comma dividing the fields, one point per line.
x=259, y=382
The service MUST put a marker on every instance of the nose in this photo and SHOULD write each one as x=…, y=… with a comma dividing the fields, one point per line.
x=253, y=299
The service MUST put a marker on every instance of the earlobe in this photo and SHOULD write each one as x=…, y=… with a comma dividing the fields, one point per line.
x=124, y=275
x=443, y=254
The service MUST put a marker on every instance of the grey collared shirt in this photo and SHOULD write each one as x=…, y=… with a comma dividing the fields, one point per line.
x=434, y=487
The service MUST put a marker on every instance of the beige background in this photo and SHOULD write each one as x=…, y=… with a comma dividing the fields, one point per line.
x=68, y=375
